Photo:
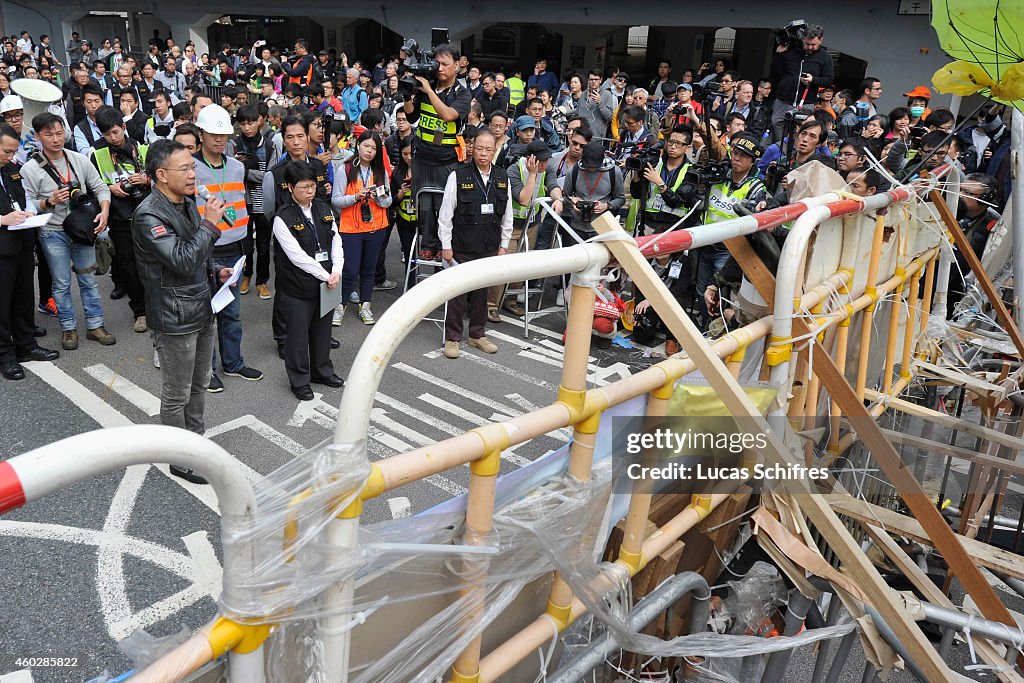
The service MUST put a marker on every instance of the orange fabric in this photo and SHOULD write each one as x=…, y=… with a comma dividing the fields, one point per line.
x=352, y=218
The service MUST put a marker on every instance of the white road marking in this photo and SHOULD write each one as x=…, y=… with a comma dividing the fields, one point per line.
x=460, y=391
x=522, y=376
x=518, y=322
x=400, y=507
x=478, y=420
x=380, y=443
x=89, y=403
x=23, y=676
x=440, y=425
x=126, y=389
x=207, y=573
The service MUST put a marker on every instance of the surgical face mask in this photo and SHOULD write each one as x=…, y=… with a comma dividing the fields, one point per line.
x=916, y=111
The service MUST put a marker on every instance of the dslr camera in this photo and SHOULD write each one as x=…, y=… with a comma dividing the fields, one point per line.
x=75, y=193
x=586, y=209
x=643, y=153
x=418, y=63
x=792, y=34
x=135, y=192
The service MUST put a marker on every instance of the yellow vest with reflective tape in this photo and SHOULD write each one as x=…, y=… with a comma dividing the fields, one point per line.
x=519, y=210
x=430, y=124
x=652, y=194
x=106, y=165
x=721, y=200
x=407, y=208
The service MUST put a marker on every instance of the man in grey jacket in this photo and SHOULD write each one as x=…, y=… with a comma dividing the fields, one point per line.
x=597, y=106
x=174, y=254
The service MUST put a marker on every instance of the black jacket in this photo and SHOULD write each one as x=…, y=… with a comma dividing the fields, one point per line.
x=13, y=242
x=173, y=249
x=787, y=67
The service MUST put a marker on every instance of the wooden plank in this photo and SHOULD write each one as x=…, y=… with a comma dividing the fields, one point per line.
x=1003, y=315
x=983, y=554
x=1015, y=444
x=956, y=452
x=932, y=594
x=974, y=384
x=739, y=404
x=883, y=452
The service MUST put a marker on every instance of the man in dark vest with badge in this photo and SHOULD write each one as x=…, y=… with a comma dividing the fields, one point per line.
x=17, y=293
x=475, y=222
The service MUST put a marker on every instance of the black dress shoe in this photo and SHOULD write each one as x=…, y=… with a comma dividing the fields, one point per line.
x=303, y=393
x=333, y=381
x=335, y=344
x=12, y=371
x=38, y=353
x=118, y=293
x=187, y=474
x=39, y=332
x=280, y=351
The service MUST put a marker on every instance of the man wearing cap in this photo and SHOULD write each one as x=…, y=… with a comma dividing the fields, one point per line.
x=74, y=48
x=475, y=222
x=325, y=66
x=524, y=131
x=917, y=103
x=528, y=181
x=224, y=177
x=593, y=186
x=743, y=185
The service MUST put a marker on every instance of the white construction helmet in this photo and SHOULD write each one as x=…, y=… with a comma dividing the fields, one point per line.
x=11, y=103
x=215, y=119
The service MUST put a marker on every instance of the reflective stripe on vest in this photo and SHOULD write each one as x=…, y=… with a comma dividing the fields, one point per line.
x=407, y=209
x=227, y=184
x=721, y=201
x=108, y=171
x=653, y=194
x=430, y=121
x=518, y=210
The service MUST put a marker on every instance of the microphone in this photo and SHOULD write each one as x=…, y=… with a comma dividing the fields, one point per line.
x=202, y=192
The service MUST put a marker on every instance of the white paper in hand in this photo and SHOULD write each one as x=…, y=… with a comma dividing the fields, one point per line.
x=224, y=295
x=36, y=221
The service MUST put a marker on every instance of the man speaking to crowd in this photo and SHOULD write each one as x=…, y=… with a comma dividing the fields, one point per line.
x=174, y=253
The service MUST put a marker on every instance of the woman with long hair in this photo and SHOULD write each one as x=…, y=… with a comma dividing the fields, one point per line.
x=401, y=190
x=361, y=194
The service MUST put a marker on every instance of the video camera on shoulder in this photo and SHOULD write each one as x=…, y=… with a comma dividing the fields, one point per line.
x=708, y=173
x=333, y=122
x=792, y=34
x=643, y=153
x=419, y=63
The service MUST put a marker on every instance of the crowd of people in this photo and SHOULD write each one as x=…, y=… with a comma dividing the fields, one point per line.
x=182, y=163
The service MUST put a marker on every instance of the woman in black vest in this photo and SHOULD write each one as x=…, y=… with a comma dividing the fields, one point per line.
x=309, y=255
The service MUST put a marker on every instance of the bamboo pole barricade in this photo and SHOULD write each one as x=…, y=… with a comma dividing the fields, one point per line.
x=822, y=291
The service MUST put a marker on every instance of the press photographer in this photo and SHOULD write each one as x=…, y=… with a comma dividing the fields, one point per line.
x=123, y=167
x=800, y=66
x=440, y=107
x=593, y=186
x=663, y=204
x=57, y=180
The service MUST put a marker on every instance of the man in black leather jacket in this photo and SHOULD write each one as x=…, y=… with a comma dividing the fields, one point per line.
x=173, y=249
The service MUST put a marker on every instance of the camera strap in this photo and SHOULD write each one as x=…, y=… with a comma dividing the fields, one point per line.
x=51, y=171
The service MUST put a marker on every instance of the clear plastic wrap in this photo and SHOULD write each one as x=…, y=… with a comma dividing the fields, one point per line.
x=284, y=570
x=754, y=598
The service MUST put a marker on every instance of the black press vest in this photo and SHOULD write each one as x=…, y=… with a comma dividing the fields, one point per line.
x=474, y=232
x=290, y=278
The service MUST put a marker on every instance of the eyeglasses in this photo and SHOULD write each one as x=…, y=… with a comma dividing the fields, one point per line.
x=848, y=154
x=676, y=143
x=621, y=80
x=183, y=169
x=726, y=82
x=11, y=116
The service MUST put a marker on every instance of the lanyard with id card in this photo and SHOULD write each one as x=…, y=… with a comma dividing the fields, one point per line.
x=320, y=255
x=15, y=204
x=487, y=207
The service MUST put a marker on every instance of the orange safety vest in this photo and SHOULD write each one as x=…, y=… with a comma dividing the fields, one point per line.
x=352, y=216
x=302, y=80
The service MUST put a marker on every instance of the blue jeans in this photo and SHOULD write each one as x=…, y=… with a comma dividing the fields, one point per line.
x=361, y=252
x=63, y=256
x=229, y=327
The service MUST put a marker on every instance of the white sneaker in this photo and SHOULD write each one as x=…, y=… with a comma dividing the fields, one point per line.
x=339, y=316
x=560, y=299
x=156, y=359
x=365, y=314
